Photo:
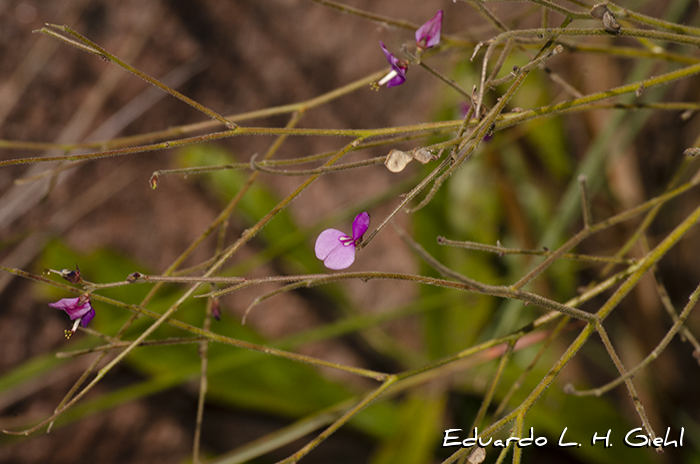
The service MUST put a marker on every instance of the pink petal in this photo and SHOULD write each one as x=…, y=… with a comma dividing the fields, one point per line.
x=341, y=257
x=327, y=241
x=88, y=316
x=389, y=56
x=430, y=31
x=65, y=303
x=360, y=226
x=80, y=311
x=399, y=69
x=70, y=306
x=332, y=251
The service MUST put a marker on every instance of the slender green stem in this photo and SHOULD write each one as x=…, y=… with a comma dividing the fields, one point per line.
x=501, y=250
x=366, y=401
x=686, y=334
x=123, y=343
x=491, y=390
x=87, y=45
x=523, y=375
x=180, y=131
x=203, y=386
x=545, y=3
x=587, y=232
x=359, y=134
x=624, y=13
x=386, y=20
x=628, y=381
x=464, y=284
x=604, y=311
x=518, y=432
x=585, y=204
x=451, y=83
x=511, y=119
x=677, y=326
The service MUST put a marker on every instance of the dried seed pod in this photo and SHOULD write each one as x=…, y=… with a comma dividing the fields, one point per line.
x=610, y=24
x=397, y=160
x=422, y=155
x=477, y=456
x=599, y=10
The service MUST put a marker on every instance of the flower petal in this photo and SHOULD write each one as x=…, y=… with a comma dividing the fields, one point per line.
x=340, y=257
x=359, y=227
x=327, y=241
x=396, y=80
x=400, y=71
x=88, y=316
x=74, y=309
x=65, y=303
x=389, y=56
x=80, y=311
x=428, y=35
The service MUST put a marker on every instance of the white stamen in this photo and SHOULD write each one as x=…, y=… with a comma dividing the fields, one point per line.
x=75, y=325
x=388, y=77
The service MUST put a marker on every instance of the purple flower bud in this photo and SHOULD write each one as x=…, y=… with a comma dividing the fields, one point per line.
x=78, y=309
x=337, y=250
x=428, y=35
x=72, y=276
x=397, y=76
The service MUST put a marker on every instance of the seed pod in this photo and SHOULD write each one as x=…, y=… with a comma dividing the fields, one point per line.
x=610, y=24
x=397, y=160
x=422, y=155
x=599, y=10
x=477, y=456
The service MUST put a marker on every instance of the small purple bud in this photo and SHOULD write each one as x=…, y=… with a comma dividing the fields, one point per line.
x=72, y=276
x=216, y=309
x=359, y=227
x=428, y=35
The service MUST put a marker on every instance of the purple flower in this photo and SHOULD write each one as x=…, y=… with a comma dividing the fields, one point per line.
x=397, y=75
x=337, y=250
x=78, y=309
x=428, y=35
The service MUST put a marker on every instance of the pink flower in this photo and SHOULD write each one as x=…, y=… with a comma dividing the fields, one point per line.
x=337, y=250
x=78, y=309
x=428, y=35
x=397, y=75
